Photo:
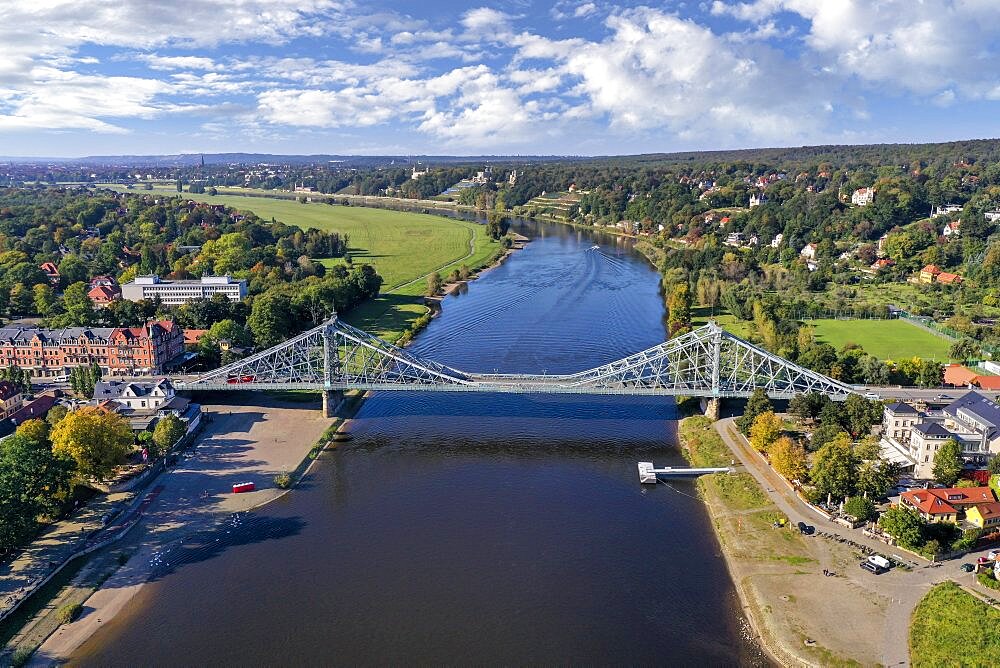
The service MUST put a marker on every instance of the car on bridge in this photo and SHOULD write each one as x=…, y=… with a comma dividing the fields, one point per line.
x=236, y=380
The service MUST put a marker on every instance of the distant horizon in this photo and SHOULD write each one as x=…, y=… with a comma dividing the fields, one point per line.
x=457, y=156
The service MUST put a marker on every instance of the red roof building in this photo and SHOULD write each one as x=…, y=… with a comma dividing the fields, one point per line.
x=102, y=295
x=945, y=505
x=949, y=279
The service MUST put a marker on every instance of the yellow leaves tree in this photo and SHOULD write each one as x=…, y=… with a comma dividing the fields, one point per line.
x=765, y=430
x=34, y=430
x=97, y=440
x=788, y=458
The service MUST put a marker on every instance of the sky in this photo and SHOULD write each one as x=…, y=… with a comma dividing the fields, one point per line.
x=565, y=77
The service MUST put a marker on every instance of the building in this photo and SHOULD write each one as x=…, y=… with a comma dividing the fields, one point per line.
x=863, y=196
x=949, y=279
x=756, y=200
x=52, y=354
x=911, y=438
x=181, y=292
x=808, y=252
x=984, y=515
x=416, y=174
x=51, y=272
x=946, y=504
x=929, y=273
x=954, y=228
x=944, y=210
x=35, y=410
x=882, y=263
x=145, y=403
x=776, y=241
x=992, y=216
x=103, y=295
x=10, y=399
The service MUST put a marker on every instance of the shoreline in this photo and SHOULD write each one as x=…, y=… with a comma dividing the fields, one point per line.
x=749, y=607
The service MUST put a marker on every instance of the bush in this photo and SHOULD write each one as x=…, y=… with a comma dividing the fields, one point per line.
x=987, y=580
x=20, y=657
x=283, y=480
x=860, y=508
x=68, y=613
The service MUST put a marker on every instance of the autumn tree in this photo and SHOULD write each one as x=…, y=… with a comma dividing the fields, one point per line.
x=434, y=283
x=757, y=403
x=788, y=458
x=764, y=431
x=96, y=439
x=679, y=310
x=34, y=430
x=167, y=432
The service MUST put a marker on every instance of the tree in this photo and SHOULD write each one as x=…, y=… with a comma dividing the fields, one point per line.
x=764, y=431
x=32, y=481
x=823, y=434
x=44, y=299
x=948, y=462
x=34, y=430
x=807, y=406
x=757, y=403
x=167, y=432
x=860, y=414
x=834, y=469
x=994, y=465
x=79, y=310
x=860, y=508
x=55, y=414
x=903, y=524
x=434, y=283
x=964, y=349
x=271, y=319
x=788, y=458
x=96, y=439
x=679, y=310
x=876, y=478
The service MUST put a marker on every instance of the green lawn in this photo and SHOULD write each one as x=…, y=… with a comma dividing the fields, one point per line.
x=953, y=628
x=885, y=339
x=404, y=247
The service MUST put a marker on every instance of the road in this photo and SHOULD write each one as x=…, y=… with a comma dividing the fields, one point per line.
x=902, y=589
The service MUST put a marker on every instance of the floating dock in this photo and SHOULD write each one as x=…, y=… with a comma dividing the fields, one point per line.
x=648, y=472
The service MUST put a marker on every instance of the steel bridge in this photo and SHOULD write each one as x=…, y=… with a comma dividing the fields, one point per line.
x=707, y=362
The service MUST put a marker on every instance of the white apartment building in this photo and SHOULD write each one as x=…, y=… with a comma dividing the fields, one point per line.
x=863, y=196
x=912, y=438
x=181, y=292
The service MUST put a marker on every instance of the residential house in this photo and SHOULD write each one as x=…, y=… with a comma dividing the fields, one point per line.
x=944, y=210
x=949, y=279
x=984, y=515
x=776, y=241
x=34, y=410
x=192, y=337
x=952, y=229
x=993, y=216
x=10, y=399
x=946, y=504
x=102, y=296
x=144, y=403
x=51, y=272
x=882, y=264
x=808, y=252
x=929, y=273
x=863, y=196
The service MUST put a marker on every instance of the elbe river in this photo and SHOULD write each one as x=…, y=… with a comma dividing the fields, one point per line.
x=464, y=528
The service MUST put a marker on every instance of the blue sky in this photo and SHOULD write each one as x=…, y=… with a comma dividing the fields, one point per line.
x=562, y=77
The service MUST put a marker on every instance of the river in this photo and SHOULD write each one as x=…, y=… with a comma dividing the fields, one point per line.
x=472, y=528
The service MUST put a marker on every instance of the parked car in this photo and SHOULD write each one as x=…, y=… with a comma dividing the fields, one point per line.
x=993, y=554
x=968, y=568
x=873, y=568
x=806, y=529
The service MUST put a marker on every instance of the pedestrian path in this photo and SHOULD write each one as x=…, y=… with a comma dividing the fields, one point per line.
x=50, y=551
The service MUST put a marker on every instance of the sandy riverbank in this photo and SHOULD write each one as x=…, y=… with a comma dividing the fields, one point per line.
x=799, y=616
x=249, y=443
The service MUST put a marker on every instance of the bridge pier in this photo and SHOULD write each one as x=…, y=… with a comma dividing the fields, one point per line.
x=331, y=402
x=710, y=406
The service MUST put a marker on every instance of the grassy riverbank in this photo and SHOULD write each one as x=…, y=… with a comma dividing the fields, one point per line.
x=951, y=627
x=773, y=568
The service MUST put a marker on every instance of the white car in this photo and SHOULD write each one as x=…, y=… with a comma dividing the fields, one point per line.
x=993, y=554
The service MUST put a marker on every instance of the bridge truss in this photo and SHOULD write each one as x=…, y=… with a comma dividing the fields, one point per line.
x=707, y=362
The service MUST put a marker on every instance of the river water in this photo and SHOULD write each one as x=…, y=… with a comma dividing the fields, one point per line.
x=473, y=528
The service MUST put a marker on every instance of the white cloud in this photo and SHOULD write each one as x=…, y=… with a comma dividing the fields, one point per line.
x=158, y=62
x=927, y=47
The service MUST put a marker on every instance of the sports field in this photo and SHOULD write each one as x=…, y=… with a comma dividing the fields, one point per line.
x=404, y=247
x=885, y=339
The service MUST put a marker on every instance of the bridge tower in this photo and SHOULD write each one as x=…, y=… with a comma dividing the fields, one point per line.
x=332, y=399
